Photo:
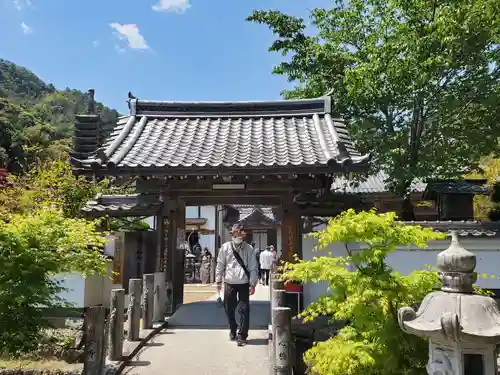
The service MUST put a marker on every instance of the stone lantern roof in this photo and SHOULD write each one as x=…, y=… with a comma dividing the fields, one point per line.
x=455, y=313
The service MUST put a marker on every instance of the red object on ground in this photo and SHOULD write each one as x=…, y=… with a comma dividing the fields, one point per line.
x=3, y=177
x=293, y=288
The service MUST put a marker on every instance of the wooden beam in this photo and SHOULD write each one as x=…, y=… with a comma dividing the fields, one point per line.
x=222, y=171
x=250, y=200
x=189, y=185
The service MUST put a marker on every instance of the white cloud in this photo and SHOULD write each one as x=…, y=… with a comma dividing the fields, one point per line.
x=177, y=6
x=22, y=4
x=26, y=29
x=131, y=35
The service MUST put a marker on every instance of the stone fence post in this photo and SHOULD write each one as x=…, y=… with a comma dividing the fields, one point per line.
x=159, y=297
x=116, y=320
x=282, y=341
x=276, y=284
x=134, y=309
x=147, y=300
x=278, y=301
x=94, y=353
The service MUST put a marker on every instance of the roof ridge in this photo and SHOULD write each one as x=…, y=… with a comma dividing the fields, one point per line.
x=230, y=108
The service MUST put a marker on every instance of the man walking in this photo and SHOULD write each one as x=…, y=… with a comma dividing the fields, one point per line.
x=266, y=263
x=237, y=264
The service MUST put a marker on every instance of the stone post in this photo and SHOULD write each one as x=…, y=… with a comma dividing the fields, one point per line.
x=282, y=340
x=147, y=300
x=94, y=341
x=278, y=301
x=159, y=297
x=116, y=319
x=276, y=284
x=134, y=309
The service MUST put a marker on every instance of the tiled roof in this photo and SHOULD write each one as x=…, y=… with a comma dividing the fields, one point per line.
x=378, y=184
x=237, y=135
x=246, y=210
x=120, y=205
x=476, y=187
x=258, y=214
x=371, y=184
x=463, y=228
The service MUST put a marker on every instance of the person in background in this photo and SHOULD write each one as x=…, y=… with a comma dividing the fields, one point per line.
x=275, y=257
x=257, y=253
x=237, y=265
x=266, y=263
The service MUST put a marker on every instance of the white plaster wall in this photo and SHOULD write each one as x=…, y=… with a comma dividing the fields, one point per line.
x=406, y=260
x=260, y=239
x=151, y=221
x=313, y=291
x=75, y=284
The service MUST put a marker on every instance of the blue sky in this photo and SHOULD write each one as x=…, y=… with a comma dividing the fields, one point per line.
x=158, y=49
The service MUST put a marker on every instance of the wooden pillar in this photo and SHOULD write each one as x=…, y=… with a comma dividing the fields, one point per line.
x=175, y=251
x=291, y=240
x=160, y=241
x=179, y=257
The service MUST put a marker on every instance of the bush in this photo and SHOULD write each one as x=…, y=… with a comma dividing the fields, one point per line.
x=33, y=248
x=368, y=297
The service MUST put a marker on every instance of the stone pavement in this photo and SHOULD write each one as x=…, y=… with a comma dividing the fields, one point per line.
x=197, y=342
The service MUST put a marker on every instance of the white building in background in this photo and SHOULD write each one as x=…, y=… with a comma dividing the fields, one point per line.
x=485, y=244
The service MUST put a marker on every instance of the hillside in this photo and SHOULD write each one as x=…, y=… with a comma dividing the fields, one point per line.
x=36, y=120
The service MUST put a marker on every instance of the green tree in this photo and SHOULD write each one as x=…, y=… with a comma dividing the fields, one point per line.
x=49, y=184
x=367, y=297
x=485, y=206
x=34, y=247
x=419, y=81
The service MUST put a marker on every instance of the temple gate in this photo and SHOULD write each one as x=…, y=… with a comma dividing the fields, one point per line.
x=275, y=153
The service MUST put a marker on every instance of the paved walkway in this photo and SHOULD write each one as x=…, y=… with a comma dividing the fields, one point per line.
x=197, y=342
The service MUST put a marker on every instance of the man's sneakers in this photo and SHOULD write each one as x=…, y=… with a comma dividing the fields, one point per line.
x=240, y=341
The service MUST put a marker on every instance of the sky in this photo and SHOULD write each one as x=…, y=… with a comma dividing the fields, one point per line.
x=157, y=49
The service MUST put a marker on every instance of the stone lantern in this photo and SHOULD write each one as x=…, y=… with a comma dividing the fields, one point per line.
x=463, y=328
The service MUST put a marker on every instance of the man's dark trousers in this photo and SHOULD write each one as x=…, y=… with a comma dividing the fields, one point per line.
x=265, y=276
x=237, y=296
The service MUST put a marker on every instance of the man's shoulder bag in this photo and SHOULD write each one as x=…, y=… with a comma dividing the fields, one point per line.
x=237, y=256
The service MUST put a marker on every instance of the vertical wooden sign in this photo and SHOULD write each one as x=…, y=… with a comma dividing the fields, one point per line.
x=166, y=224
x=289, y=235
x=118, y=258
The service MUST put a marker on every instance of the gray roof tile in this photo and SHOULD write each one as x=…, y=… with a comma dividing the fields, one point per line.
x=119, y=205
x=371, y=184
x=234, y=135
x=378, y=184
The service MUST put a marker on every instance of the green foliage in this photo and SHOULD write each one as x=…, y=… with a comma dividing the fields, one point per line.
x=419, y=81
x=366, y=293
x=485, y=206
x=34, y=247
x=36, y=120
x=50, y=184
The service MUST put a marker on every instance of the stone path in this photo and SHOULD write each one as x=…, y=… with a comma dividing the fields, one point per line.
x=197, y=342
